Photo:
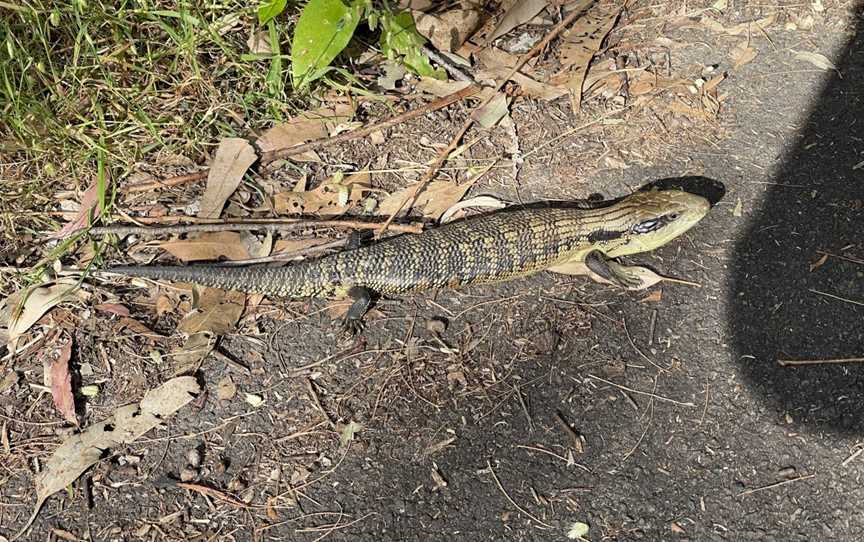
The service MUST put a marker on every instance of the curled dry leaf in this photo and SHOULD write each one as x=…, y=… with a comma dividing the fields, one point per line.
x=61, y=383
x=742, y=54
x=819, y=60
x=226, y=390
x=332, y=198
x=433, y=201
x=21, y=310
x=448, y=31
x=113, y=308
x=88, y=202
x=82, y=450
x=218, y=312
x=488, y=202
x=519, y=13
x=233, y=158
x=303, y=128
x=209, y=246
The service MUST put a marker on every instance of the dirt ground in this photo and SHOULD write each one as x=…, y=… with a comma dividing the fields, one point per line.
x=549, y=402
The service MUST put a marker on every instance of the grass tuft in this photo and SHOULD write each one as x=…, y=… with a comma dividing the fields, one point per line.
x=125, y=80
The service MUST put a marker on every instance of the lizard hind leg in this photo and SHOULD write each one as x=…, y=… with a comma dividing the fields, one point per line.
x=353, y=321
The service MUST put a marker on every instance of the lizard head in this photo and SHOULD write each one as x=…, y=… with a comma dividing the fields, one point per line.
x=647, y=220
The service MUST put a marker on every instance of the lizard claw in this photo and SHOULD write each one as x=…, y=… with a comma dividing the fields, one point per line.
x=353, y=326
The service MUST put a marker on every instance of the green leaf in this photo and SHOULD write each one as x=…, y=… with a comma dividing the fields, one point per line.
x=269, y=9
x=325, y=27
x=400, y=40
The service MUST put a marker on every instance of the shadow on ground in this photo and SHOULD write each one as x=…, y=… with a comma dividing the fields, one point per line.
x=786, y=306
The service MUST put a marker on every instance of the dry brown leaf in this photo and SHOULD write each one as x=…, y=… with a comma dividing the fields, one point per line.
x=448, y=31
x=433, y=201
x=233, y=158
x=493, y=58
x=305, y=127
x=519, y=13
x=819, y=60
x=654, y=297
x=194, y=350
x=752, y=26
x=440, y=88
x=218, y=312
x=226, y=389
x=209, y=246
x=112, y=308
x=137, y=328
x=818, y=263
x=491, y=113
x=332, y=198
x=88, y=202
x=164, y=305
x=61, y=384
x=582, y=42
x=256, y=248
x=742, y=54
x=530, y=87
x=259, y=43
x=21, y=310
x=83, y=450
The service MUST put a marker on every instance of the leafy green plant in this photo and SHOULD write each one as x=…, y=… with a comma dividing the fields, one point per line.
x=325, y=28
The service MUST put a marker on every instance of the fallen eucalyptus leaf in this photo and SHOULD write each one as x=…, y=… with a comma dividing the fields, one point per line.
x=209, y=247
x=233, y=158
x=519, y=13
x=819, y=60
x=21, y=310
x=433, y=201
x=582, y=42
x=83, y=450
x=217, y=312
x=61, y=383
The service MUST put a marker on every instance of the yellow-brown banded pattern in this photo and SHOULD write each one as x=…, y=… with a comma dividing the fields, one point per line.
x=489, y=248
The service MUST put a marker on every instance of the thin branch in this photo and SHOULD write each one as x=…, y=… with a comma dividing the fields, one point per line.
x=287, y=224
x=450, y=66
x=504, y=492
x=441, y=103
x=775, y=484
x=640, y=392
x=166, y=183
x=790, y=362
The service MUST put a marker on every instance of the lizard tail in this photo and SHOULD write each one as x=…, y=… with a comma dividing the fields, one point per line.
x=289, y=281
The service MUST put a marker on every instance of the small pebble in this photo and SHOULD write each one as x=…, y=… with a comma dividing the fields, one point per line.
x=194, y=458
x=188, y=474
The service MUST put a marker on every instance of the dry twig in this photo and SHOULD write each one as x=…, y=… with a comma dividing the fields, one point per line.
x=507, y=496
x=286, y=224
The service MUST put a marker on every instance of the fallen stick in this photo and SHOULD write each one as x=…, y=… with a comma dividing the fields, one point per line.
x=247, y=225
x=790, y=362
